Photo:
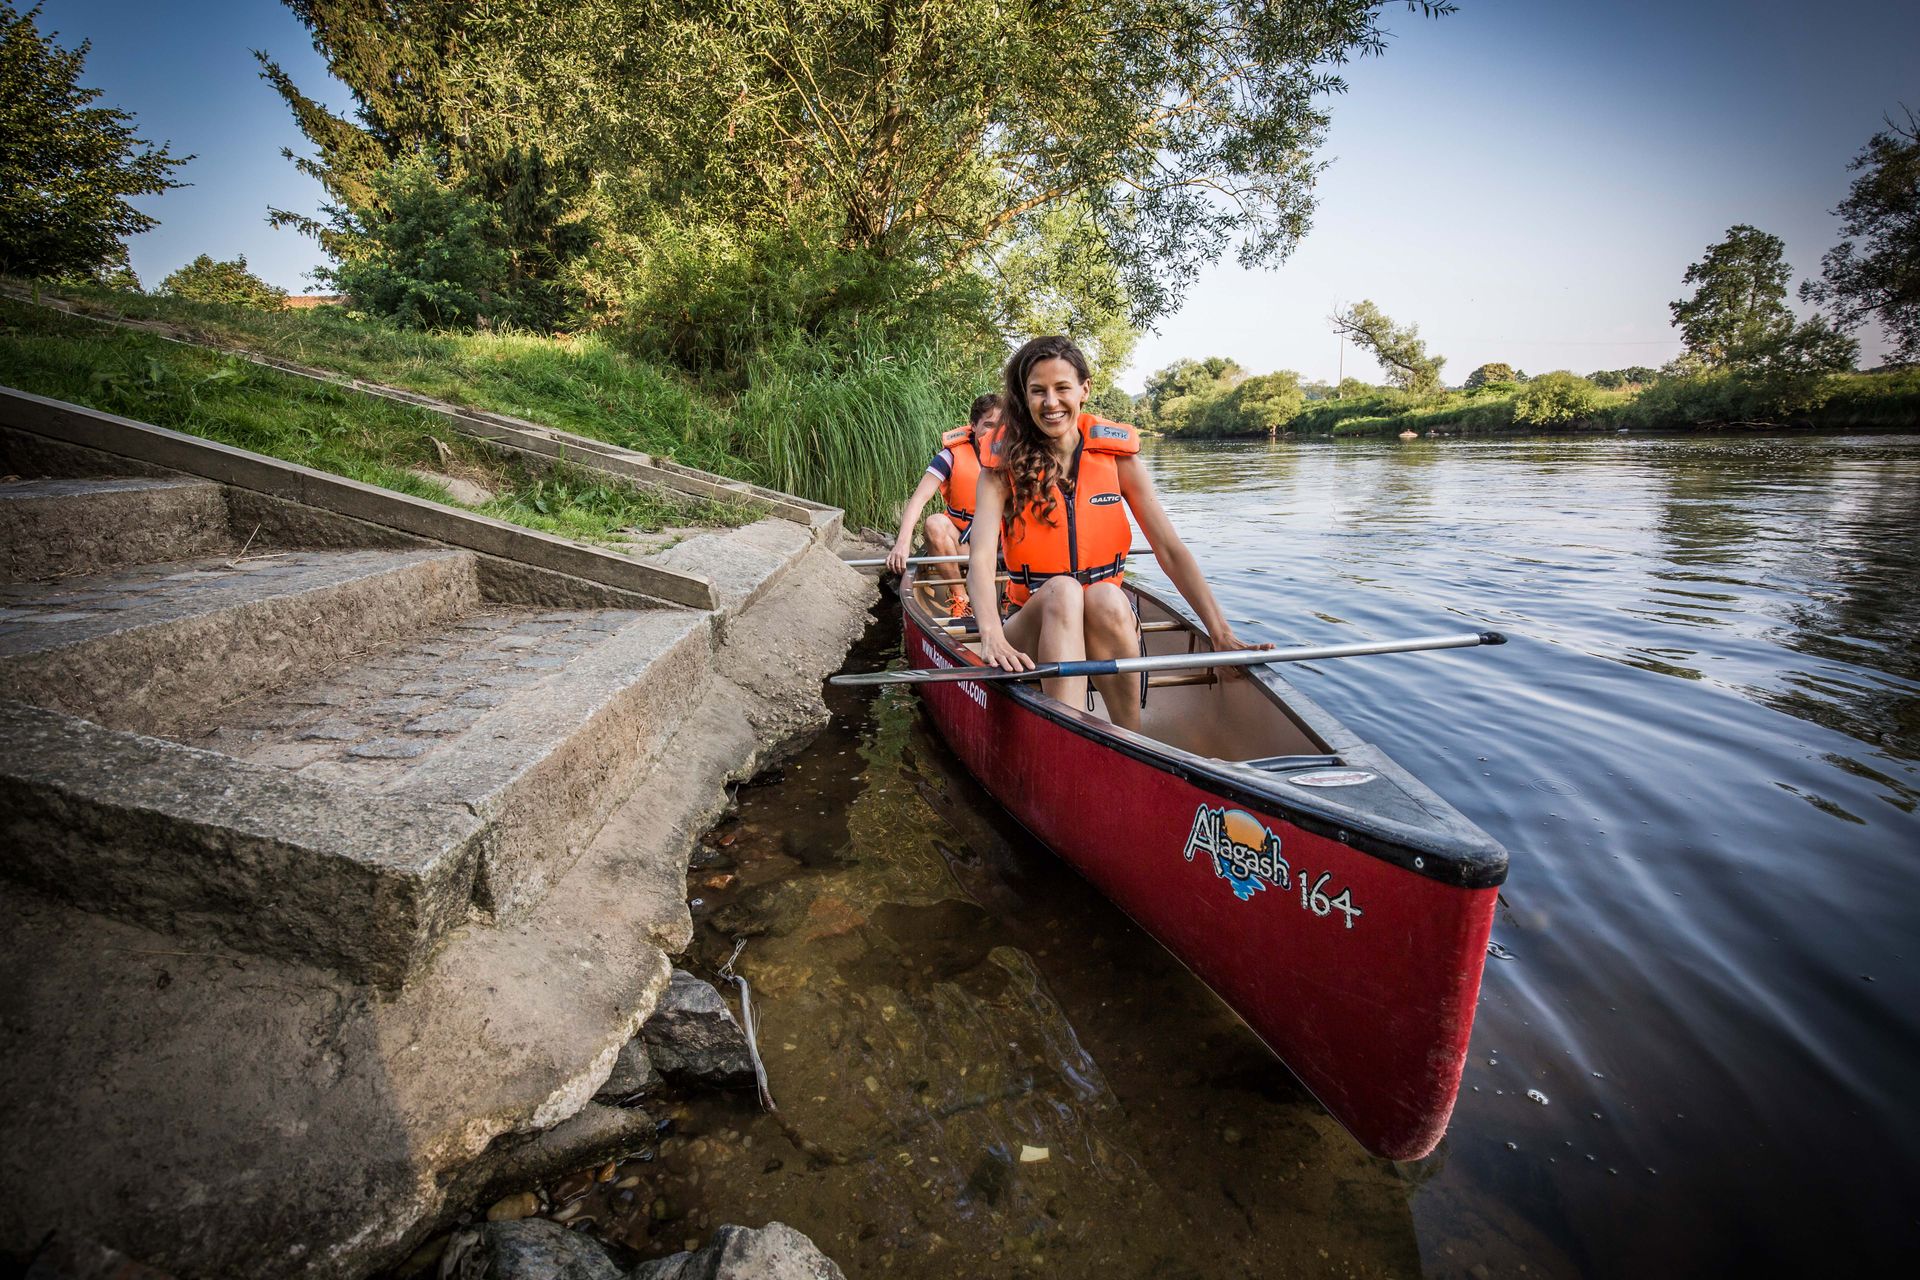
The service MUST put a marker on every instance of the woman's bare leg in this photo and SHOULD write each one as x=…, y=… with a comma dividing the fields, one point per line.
x=1050, y=627
x=1113, y=632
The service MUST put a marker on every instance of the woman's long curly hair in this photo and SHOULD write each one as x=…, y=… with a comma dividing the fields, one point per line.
x=1032, y=471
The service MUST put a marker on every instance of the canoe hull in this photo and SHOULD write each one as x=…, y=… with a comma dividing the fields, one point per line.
x=1361, y=975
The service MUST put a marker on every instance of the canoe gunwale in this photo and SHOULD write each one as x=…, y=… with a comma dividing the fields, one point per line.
x=1451, y=850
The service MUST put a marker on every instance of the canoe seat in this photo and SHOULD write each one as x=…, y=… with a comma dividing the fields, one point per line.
x=1192, y=677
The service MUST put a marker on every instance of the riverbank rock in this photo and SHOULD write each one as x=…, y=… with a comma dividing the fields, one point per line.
x=65, y=1257
x=633, y=1075
x=534, y=1249
x=774, y=1252
x=692, y=1037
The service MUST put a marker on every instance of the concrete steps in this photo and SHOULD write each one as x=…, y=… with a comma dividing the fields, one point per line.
x=52, y=528
x=375, y=750
x=154, y=647
x=534, y=721
x=275, y=711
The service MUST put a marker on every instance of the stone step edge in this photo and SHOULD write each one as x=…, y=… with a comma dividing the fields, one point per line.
x=544, y=773
x=515, y=433
x=744, y=564
x=156, y=674
x=199, y=845
x=158, y=446
x=61, y=527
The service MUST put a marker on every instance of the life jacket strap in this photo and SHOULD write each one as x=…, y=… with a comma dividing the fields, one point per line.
x=1031, y=578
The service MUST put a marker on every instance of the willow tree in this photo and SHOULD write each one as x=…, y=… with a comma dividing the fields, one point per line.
x=1400, y=349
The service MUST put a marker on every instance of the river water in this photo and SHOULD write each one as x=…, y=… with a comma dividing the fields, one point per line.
x=1699, y=1036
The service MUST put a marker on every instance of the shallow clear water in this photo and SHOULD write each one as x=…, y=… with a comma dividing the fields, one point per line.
x=1699, y=1032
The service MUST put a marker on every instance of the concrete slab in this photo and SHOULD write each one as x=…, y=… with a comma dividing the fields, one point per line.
x=743, y=564
x=50, y=528
x=153, y=648
x=227, y=854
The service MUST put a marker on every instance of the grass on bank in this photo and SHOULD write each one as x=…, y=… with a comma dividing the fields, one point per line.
x=850, y=426
x=331, y=429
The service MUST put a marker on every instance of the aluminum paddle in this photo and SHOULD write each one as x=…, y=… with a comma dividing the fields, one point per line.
x=881, y=564
x=1173, y=661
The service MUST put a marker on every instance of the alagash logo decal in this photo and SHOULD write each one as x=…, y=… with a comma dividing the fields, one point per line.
x=1244, y=852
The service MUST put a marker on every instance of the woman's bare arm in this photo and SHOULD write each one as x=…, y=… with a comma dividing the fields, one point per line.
x=1136, y=486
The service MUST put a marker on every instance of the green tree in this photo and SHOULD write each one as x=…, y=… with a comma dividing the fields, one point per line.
x=1179, y=393
x=1400, y=350
x=938, y=133
x=430, y=259
x=1737, y=318
x=1493, y=372
x=1555, y=398
x=1113, y=404
x=461, y=83
x=204, y=280
x=1876, y=271
x=66, y=167
x=1267, y=401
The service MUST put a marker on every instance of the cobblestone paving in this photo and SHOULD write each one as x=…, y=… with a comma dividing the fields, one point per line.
x=373, y=718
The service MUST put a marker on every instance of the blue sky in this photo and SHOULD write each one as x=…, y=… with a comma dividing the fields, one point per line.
x=1526, y=179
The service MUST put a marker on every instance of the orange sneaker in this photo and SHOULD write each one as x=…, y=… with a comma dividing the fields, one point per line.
x=958, y=605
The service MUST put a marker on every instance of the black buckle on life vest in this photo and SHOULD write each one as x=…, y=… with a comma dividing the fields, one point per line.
x=1030, y=578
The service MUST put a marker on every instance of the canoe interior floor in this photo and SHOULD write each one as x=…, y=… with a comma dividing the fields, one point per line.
x=1231, y=716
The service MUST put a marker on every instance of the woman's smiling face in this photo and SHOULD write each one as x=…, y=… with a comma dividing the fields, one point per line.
x=1054, y=395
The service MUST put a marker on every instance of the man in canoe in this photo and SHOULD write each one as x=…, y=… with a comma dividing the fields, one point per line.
x=1049, y=506
x=955, y=472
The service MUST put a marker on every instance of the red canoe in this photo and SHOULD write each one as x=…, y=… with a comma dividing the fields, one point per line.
x=1337, y=905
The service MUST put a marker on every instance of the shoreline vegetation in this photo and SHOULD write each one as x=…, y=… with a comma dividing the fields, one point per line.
x=853, y=433
x=1880, y=400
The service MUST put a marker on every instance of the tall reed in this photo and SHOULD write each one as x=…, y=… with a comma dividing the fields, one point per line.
x=852, y=427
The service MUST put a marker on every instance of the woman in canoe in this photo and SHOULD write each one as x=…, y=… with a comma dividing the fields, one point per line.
x=1050, y=506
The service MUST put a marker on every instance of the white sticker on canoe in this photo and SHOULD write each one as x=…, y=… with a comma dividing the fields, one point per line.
x=1331, y=778
x=1246, y=854
x=939, y=659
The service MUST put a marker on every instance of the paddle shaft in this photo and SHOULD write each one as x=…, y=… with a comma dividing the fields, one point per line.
x=918, y=560
x=1174, y=661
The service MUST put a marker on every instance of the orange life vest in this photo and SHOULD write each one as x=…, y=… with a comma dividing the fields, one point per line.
x=1092, y=533
x=958, y=490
